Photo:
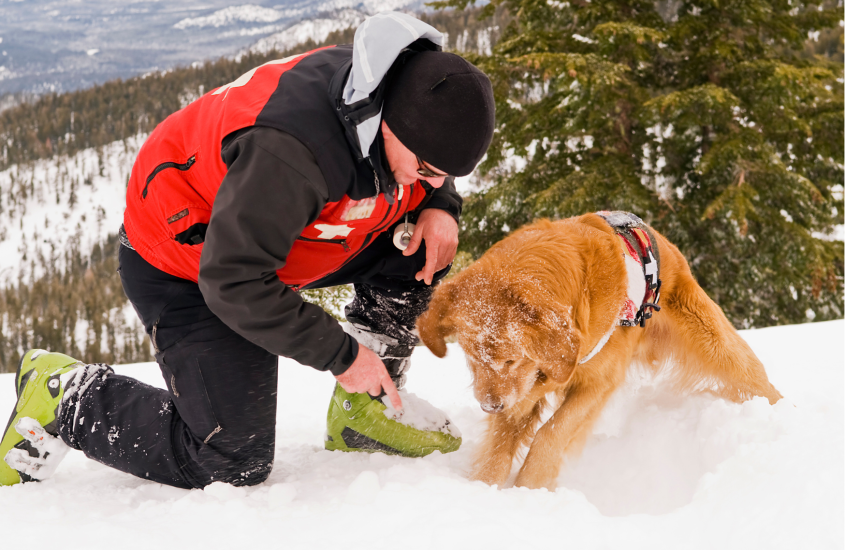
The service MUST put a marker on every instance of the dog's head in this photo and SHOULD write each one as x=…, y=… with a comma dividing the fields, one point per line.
x=514, y=334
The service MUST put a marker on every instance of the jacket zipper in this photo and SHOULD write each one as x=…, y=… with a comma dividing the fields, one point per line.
x=367, y=239
x=335, y=241
x=164, y=166
x=370, y=162
x=378, y=229
x=153, y=336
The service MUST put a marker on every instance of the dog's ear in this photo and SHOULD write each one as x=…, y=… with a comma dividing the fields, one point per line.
x=554, y=343
x=435, y=324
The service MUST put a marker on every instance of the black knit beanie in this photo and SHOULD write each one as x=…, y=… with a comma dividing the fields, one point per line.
x=441, y=107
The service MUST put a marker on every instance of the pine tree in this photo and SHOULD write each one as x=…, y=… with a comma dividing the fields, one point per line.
x=704, y=117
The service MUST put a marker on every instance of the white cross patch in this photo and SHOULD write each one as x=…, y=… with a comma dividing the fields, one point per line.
x=244, y=79
x=332, y=231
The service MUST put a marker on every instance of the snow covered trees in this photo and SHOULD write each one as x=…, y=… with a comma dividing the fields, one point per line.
x=701, y=116
x=81, y=311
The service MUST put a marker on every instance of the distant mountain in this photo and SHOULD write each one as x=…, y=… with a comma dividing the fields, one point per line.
x=53, y=45
x=315, y=30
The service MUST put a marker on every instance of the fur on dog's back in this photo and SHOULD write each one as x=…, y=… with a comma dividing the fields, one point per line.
x=564, y=272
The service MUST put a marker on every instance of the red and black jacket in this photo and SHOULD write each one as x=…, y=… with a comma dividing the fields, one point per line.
x=299, y=201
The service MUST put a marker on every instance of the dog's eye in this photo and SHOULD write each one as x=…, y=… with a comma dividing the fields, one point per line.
x=509, y=362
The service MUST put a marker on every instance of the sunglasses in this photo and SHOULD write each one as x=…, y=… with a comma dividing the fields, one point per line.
x=427, y=172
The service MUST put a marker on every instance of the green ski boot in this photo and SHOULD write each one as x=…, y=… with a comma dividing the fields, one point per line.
x=359, y=422
x=39, y=392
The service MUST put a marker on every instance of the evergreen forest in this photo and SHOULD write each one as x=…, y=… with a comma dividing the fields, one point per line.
x=720, y=123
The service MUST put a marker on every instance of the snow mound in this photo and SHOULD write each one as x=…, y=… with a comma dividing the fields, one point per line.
x=364, y=489
x=652, y=451
x=420, y=414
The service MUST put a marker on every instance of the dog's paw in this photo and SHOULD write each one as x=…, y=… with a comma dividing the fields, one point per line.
x=491, y=475
x=532, y=478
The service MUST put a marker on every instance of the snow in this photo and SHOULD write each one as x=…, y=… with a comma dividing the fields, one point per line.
x=50, y=451
x=420, y=414
x=316, y=29
x=335, y=15
x=248, y=13
x=659, y=471
x=51, y=205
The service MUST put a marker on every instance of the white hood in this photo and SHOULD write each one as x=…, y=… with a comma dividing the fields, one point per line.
x=378, y=42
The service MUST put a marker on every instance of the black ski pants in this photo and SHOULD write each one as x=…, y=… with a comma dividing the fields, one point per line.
x=216, y=420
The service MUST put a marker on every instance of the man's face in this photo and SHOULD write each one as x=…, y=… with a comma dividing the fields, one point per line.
x=404, y=164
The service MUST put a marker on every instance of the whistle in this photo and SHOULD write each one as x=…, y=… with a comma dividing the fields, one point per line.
x=402, y=235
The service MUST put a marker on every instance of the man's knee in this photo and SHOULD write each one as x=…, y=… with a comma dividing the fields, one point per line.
x=253, y=473
x=246, y=466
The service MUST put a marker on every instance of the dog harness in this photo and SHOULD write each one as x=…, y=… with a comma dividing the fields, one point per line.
x=642, y=260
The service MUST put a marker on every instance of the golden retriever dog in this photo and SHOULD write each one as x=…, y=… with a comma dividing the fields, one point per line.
x=538, y=316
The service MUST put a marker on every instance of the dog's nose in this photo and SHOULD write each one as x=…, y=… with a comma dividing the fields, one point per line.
x=492, y=408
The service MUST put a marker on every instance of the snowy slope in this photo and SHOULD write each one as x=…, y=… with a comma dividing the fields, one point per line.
x=336, y=15
x=52, y=204
x=659, y=472
x=317, y=29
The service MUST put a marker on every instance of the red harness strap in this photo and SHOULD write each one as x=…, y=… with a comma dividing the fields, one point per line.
x=638, y=243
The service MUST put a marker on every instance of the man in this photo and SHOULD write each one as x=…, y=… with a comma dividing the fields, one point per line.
x=294, y=176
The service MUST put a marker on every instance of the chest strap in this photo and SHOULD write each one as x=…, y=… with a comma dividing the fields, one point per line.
x=642, y=261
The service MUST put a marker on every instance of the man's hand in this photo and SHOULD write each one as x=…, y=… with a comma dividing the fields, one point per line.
x=440, y=231
x=368, y=374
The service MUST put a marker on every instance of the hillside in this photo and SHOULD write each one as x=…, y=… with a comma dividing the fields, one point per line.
x=58, y=257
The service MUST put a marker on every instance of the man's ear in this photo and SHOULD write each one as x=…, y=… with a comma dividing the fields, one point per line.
x=435, y=324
